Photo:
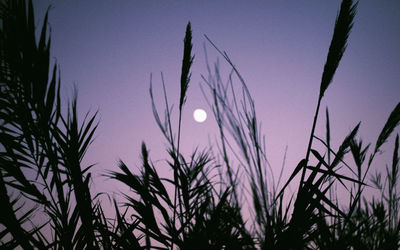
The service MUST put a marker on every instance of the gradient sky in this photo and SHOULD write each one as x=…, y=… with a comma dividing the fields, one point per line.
x=109, y=48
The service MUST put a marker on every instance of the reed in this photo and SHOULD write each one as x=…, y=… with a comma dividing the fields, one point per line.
x=206, y=208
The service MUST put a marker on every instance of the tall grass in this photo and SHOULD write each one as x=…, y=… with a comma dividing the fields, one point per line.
x=37, y=137
x=205, y=209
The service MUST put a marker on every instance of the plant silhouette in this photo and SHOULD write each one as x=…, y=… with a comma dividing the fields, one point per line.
x=43, y=144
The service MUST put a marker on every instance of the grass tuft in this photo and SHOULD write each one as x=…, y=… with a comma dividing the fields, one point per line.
x=202, y=203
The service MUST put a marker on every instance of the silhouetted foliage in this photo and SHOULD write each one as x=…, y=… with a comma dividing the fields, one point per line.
x=42, y=146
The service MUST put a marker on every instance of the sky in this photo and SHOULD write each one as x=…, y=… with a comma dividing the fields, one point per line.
x=108, y=49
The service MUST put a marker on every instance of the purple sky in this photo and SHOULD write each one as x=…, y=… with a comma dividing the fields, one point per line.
x=109, y=48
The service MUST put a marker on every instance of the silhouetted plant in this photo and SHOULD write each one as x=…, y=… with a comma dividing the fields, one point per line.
x=37, y=138
x=307, y=226
x=43, y=144
x=202, y=217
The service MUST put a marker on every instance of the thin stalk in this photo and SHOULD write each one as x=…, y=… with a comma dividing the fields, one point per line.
x=310, y=142
x=168, y=114
x=343, y=25
x=185, y=79
x=223, y=142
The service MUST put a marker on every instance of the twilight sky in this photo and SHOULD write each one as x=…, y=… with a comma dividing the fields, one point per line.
x=109, y=48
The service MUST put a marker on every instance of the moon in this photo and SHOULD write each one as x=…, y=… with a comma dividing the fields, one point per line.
x=199, y=115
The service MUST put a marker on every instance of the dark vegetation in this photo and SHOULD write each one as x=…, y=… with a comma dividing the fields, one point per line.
x=43, y=144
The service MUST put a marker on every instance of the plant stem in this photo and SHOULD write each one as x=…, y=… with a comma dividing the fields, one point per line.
x=310, y=142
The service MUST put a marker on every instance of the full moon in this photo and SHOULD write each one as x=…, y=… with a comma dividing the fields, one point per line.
x=199, y=115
